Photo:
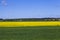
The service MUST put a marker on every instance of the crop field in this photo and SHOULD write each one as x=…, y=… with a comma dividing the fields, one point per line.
x=30, y=33
x=30, y=30
x=20, y=24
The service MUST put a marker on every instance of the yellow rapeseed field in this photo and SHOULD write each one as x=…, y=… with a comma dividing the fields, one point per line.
x=15, y=24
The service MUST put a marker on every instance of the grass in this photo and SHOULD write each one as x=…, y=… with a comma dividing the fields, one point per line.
x=30, y=33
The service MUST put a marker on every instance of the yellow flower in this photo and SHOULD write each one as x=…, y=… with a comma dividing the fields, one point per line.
x=15, y=24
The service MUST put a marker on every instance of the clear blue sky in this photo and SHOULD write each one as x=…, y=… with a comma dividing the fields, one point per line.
x=30, y=9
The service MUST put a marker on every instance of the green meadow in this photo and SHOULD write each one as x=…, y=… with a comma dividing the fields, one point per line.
x=30, y=33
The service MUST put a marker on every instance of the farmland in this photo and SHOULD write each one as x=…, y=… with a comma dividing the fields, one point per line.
x=30, y=33
x=24, y=24
x=29, y=30
x=48, y=30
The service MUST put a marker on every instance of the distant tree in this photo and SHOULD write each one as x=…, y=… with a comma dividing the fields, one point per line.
x=1, y=19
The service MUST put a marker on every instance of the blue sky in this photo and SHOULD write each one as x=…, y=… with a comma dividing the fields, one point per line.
x=30, y=9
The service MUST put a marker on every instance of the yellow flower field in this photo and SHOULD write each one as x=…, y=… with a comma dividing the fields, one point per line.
x=15, y=24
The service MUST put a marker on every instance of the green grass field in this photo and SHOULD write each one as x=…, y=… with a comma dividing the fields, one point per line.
x=30, y=33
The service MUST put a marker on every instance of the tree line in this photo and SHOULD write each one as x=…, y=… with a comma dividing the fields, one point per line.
x=32, y=19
